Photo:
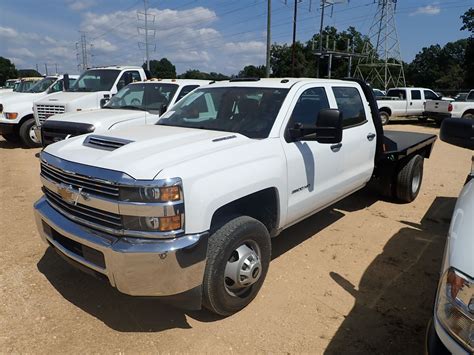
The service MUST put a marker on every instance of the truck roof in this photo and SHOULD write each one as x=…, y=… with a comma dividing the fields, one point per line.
x=409, y=88
x=117, y=67
x=175, y=81
x=276, y=82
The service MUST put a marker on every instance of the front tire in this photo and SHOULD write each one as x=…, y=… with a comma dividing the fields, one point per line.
x=384, y=117
x=409, y=179
x=27, y=134
x=238, y=258
x=469, y=116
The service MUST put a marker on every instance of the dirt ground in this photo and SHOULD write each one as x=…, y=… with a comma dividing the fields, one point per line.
x=356, y=278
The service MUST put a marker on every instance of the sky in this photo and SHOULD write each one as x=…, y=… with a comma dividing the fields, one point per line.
x=209, y=35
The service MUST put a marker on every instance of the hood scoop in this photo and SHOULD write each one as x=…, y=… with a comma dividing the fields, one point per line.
x=105, y=143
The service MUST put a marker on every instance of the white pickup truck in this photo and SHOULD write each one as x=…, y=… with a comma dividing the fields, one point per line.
x=451, y=330
x=16, y=112
x=136, y=104
x=91, y=91
x=186, y=209
x=405, y=102
x=9, y=85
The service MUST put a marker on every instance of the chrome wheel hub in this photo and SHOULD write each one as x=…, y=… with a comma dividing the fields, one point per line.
x=243, y=269
x=32, y=134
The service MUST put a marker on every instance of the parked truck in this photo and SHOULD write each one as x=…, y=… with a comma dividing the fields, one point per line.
x=16, y=112
x=455, y=109
x=186, y=209
x=91, y=91
x=405, y=102
x=138, y=103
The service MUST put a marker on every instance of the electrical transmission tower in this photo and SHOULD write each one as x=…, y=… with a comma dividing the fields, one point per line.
x=144, y=21
x=82, y=53
x=382, y=65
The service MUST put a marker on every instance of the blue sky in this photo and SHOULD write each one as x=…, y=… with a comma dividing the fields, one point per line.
x=210, y=35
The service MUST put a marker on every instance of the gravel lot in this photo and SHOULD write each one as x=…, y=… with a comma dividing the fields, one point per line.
x=359, y=277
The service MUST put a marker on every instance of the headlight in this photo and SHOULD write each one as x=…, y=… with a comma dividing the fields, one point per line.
x=167, y=197
x=11, y=115
x=455, y=307
x=151, y=193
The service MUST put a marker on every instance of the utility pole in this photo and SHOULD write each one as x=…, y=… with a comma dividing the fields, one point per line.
x=147, y=19
x=269, y=37
x=382, y=64
x=46, y=68
x=293, y=50
x=37, y=69
x=81, y=53
x=56, y=66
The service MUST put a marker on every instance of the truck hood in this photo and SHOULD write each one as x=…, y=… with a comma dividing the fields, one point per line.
x=461, y=236
x=99, y=117
x=11, y=99
x=153, y=148
x=73, y=100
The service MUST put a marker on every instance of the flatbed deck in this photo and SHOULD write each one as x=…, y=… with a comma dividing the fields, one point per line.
x=400, y=144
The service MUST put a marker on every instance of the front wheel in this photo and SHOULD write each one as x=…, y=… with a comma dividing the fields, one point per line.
x=237, y=263
x=469, y=116
x=27, y=134
x=384, y=117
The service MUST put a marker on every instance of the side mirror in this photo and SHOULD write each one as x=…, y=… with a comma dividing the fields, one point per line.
x=103, y=102
x=163, y=109
x=327, y=130
x=458, y=131
x=127, y=77
x=66, y=82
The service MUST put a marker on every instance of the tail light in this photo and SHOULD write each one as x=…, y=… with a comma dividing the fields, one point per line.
x=450, y=107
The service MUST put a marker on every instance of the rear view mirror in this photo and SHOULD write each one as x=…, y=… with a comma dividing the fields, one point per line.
x=458, y=132
x=329, y=126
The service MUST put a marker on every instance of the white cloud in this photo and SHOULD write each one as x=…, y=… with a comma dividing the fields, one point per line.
x=251, y=47
x=427, y=10
x=102, y=45
x=8, y=32
x=22, y=52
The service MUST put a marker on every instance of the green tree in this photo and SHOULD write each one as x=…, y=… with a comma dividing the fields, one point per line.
x=7, y=70
x=468, y=24
x=27, y=73
x=197, y=74
x=162, y=68
x=251, y=71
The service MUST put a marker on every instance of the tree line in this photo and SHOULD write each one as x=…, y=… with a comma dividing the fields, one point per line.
x=449, y=67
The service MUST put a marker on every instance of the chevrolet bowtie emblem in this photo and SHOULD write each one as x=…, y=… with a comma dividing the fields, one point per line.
x=71, y=195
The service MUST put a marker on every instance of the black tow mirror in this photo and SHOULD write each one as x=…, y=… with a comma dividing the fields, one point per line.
x=327, y=130
x=66, y=82
x=104, y=101
x=163, y=109
x=458, y=132
x=127, y=76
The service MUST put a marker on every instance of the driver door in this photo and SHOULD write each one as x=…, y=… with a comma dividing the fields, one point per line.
x=314, y=169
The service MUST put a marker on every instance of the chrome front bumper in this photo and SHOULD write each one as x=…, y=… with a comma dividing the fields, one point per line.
x=137, y=267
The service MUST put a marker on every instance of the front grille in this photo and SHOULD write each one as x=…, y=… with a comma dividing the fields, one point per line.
x=45, y=111
x=55, y=131
x=107, y=143
x=87, y=184
x=85, y=213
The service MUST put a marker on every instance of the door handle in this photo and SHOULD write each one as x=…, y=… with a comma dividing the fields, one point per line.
x=411, y=103
x=371, y=136
x=336, y=147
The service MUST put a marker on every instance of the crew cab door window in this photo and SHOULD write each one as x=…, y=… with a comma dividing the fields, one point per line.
x=430, y=95
x=350, y=104
x=470, y=97
x=307, y=107
x=399, y=94
x=416, y=95
x=186, y=90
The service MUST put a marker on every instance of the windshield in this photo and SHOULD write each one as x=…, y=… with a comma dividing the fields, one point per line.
x=42, y=85
x=149, y=97
x=244, y=110
x=24, y=86
x=9, y=84
x=95, y=80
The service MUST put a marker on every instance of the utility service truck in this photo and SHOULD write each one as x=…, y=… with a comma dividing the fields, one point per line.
x=186, y=209
x=16, y=112
x=92, y=90
x=138, y=103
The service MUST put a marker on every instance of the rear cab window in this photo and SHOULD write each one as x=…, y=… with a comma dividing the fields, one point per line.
x=350, y=103
x=430, y=95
